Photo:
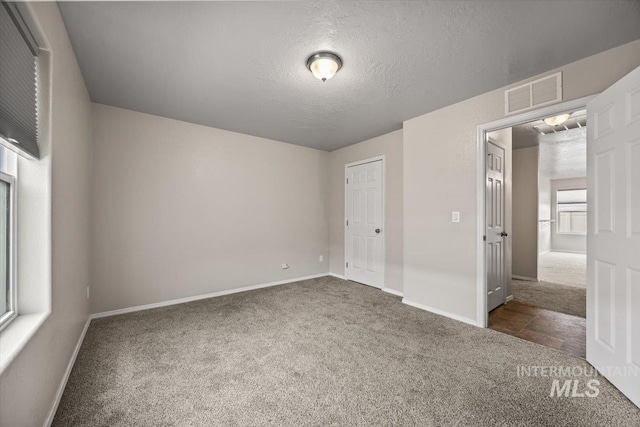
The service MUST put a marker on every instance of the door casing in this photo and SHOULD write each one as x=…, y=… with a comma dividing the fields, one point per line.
x=384, y=209
x=482, y=315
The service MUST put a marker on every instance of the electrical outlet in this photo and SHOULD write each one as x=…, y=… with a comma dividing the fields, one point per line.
x=87, y=292
x=321, y=258
x=285, y=266
x=455, y=216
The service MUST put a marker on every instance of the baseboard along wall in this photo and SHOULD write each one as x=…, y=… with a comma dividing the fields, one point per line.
x=65, y=377
x=201, y=296
x=393, y=292
x=440, y=312
x=530, y=279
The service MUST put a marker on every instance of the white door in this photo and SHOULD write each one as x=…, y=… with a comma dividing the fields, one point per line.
x=364, y=233
x=495, y=229
x=613, y=237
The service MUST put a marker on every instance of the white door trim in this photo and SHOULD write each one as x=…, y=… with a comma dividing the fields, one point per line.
x=482, y=130
x=384, y=211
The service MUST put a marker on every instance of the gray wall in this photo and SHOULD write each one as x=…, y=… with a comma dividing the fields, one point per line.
x=389, y=145
x=440, y=264
x=182, y=210
x=566, y=242
x=525, y=212
x=29, y=385
x=544, y=213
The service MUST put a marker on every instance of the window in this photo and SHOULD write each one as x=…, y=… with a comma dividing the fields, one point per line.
x=572, y=211
x=18, y=133
x=8, y=292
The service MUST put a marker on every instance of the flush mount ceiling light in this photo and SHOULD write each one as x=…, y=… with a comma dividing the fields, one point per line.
x=324, y=65
x=557, y=120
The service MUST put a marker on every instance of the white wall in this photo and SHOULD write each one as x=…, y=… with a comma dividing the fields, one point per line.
x=566, y=242
x=544, y=213
x=29, y=384
x=440, y=176
x=181, y=210
x=389, y=145
x=525, y=212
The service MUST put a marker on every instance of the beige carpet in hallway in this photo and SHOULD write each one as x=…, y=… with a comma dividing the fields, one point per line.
x=563, y=268
x=317, y=353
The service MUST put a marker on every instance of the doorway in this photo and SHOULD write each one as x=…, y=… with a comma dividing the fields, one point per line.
x=613, y=197
x=491, y=132
x=523, y=158
x=364, y=222
x=536, y=231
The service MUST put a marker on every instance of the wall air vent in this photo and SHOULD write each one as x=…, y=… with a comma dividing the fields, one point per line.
x=538, y=93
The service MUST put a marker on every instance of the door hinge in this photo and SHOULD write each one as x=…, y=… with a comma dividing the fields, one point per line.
x=484, y=238
x=347, y=180
x=347, y=265
x=347, y=223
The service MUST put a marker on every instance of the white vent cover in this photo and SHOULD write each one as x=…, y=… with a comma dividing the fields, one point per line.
x=537, y=93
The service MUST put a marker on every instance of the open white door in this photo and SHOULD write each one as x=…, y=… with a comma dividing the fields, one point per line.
x=613, y=240
x=495, y=232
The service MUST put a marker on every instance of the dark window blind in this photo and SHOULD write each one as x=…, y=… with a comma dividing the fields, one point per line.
x=18, y=82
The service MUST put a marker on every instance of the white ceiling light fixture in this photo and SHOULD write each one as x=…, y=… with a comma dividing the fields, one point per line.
x=557, y=120
x=324, y=65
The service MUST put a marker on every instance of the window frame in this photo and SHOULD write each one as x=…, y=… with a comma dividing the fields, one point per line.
x=558, y=211
x=12, y=312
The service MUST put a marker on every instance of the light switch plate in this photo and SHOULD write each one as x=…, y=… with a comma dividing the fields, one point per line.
x=455, y=216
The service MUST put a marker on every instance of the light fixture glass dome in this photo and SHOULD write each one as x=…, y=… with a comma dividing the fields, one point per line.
x=324, y=65
x=557, y=120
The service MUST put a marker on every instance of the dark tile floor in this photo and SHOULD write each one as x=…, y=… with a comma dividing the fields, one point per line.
x=549, y=328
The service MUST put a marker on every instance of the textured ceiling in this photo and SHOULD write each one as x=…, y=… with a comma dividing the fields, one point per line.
x=528, y=135
x=240, y=66
x=563, y=154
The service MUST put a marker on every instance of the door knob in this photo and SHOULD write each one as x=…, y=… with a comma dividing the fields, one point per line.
x=378, y=231
x=504, y=234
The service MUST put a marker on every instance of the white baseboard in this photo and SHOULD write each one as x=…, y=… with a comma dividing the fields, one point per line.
x=65, y=378
x=530, y=279
x=440, y=312
x=202, y=296
x=393, y=292
x=388, y=290
x=568, y=252
x=509, y=298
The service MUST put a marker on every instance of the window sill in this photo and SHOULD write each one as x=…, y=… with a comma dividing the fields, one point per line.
x=17, y=334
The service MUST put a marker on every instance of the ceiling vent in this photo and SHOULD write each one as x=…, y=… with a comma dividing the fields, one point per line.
x=544, y=91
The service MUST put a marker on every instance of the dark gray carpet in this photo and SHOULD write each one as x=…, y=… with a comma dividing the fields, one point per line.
x=319, y=352
x=561, y=298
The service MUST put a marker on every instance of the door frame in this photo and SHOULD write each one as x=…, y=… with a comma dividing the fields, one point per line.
x=384, y=210
x=481, y=135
